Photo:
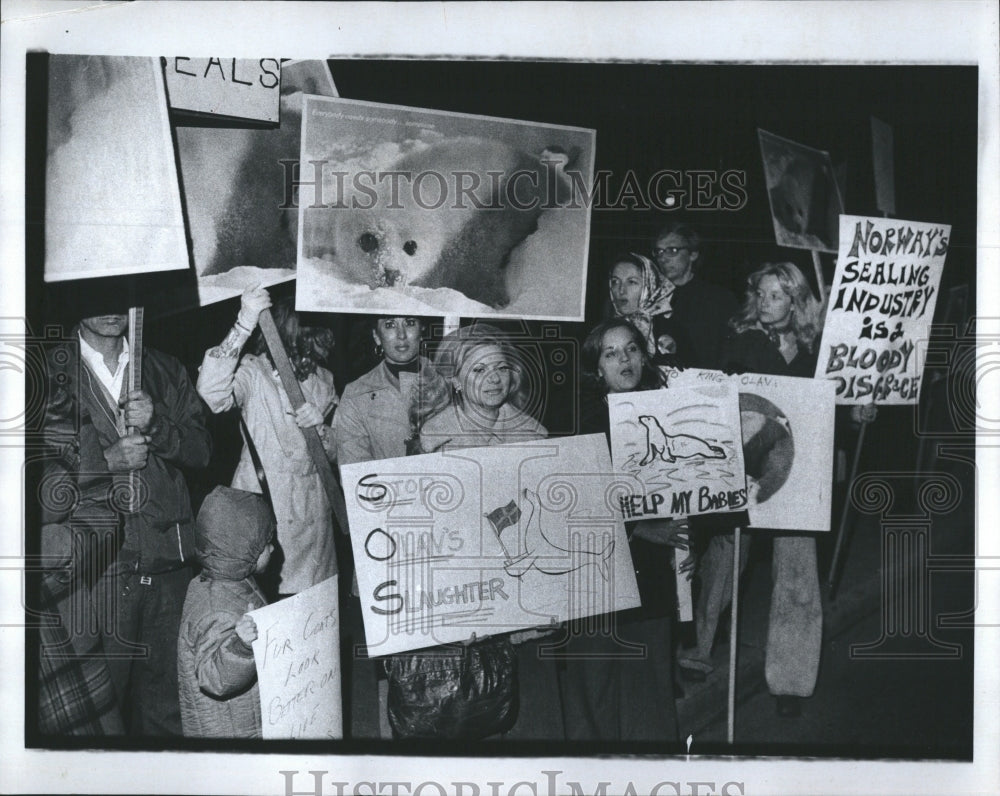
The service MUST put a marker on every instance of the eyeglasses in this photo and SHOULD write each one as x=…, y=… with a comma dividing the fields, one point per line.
x=670, y=251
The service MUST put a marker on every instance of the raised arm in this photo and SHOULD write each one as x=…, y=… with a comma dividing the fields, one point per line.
x=216, y=376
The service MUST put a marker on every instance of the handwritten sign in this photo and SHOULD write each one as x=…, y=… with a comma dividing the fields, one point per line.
x=683, y=446
x=444, y=548
x=880, y=309
x=241, y=88
x=297, y=653
x=786, y=426
x=112, y=197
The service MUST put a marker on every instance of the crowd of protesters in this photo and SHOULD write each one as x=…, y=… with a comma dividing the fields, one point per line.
x=153, y=636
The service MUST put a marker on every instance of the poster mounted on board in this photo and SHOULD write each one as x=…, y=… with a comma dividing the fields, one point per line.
x=683, y=448
x=297, y=654
x=443, y=548
x=786, y=427
x=231, y=88
x=243, y=226
x=883, y=167
x=880, y=309
x=112, y=200
x=423, y=212
x=802, y=188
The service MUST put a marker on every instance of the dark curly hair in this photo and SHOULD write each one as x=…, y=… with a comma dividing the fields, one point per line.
x=307, y=346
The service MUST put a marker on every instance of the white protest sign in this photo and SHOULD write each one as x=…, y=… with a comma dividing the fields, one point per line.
x=880, y=309
x=487, y=541
x=112, y=197
x=240, y=88
x=787, y=432
x=297, y=653
x=241, y=213
x=683, y=447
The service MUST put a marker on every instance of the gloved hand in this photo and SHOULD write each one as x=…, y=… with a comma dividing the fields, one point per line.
x=252, y=303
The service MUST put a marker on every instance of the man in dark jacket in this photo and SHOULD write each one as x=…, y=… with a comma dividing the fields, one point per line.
x=151, y=433
x=702, y=309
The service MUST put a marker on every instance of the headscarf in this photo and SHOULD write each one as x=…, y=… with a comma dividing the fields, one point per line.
x=653, y=300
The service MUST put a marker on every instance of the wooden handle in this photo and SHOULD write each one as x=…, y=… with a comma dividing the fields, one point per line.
x=313, y=443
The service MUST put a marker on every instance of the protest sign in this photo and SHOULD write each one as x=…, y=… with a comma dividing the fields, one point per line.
x=802, y=188
x=112, y=199
x=237, y=88
x=297, y=653
x=683, y=447
x=443, y=548
x=243, y=224
x=408, y=211
x=786, y=426
x=880, y=309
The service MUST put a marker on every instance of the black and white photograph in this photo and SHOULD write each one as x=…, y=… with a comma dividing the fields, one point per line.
x=435, y=213
x=499, y=399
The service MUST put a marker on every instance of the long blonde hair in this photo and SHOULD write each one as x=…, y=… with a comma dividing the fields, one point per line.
x=807, y=318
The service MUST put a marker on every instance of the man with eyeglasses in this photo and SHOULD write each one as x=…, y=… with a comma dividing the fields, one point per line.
x=703, y=309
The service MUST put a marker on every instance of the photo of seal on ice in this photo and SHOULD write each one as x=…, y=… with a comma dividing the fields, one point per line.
x=420, y=211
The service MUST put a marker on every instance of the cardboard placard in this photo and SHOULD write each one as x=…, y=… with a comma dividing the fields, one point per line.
x=443, y=548
x=880, y=309
x=408, y=211
x=243, y=225
x=787, y=426
x=683, y=447
x=297, y=653
x=235, y=88
x=802, y=188
x=112, y=199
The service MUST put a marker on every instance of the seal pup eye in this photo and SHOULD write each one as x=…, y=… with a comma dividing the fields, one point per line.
x=410, y=247
x=368, y=242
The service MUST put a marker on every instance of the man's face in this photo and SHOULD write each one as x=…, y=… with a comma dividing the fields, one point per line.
x=111, y=325
x=674, y=258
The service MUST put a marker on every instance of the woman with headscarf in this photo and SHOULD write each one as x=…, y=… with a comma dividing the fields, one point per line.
x=640, y=295
x=481, y=396
x=475, y=395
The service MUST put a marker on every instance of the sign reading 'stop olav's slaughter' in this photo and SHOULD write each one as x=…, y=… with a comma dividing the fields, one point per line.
x=880, y=308
x=444, y=548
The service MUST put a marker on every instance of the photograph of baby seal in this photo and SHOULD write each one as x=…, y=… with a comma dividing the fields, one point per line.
x=434, y=207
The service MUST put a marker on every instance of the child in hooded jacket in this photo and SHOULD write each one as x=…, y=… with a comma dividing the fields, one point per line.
x=218, y=679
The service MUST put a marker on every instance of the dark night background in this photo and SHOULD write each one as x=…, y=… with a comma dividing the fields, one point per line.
x=647, y=117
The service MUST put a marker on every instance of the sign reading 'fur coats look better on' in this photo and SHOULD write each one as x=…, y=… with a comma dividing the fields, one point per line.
x=444, y=549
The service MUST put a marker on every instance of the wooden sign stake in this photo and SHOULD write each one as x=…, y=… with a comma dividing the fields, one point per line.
x=134, y=376
x=315, y=446
x=733, y=639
